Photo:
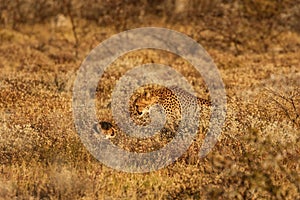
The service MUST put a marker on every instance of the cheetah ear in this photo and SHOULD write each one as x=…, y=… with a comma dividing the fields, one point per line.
x=144, y=94
x=147, y=94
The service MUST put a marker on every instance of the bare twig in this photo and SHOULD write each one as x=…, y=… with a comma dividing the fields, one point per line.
x=69, y=12
x=292, y=115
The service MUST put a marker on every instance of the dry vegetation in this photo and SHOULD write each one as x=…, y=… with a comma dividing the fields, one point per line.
x=255, y=44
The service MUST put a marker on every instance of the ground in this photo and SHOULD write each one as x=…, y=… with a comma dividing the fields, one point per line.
x=42, y=156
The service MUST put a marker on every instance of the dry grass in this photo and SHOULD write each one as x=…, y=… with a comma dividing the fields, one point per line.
x=42, y=157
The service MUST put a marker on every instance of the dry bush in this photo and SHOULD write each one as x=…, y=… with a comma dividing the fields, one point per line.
x=287, y=105
x=237, y=26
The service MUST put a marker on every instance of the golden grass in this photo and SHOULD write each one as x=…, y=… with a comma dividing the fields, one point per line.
x=42, y=157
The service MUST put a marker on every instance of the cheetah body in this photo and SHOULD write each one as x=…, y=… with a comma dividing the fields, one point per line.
x=173, y=101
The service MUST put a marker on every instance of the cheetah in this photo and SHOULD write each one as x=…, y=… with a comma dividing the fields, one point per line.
x=140, y=107
x=170, y=103
x=142, y=104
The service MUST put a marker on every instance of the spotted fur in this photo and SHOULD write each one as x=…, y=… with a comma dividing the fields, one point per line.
x=168, y=99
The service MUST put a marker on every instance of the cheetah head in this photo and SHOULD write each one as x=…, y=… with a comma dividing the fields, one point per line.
x=144, y=102
x=106, y=128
